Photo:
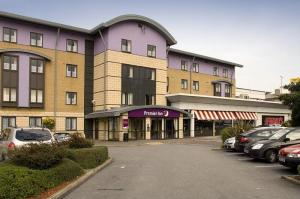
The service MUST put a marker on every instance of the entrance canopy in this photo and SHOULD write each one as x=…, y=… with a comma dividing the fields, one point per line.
x=224, y=115
x=139, y=112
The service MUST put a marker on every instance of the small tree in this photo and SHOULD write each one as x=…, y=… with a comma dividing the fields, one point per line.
x=49, y=123
x=293, y=101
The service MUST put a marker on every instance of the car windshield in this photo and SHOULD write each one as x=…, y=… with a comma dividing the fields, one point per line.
x=33, y=135
x=279, y=134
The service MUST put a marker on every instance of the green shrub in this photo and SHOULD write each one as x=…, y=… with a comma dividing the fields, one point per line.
x=21, y=182
x=49, y=123
x=237, y=129
x=77, y=141
x=37, y=156
x=89, y=157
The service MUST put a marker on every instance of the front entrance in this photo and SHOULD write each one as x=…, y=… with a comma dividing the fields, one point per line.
x=156, y=128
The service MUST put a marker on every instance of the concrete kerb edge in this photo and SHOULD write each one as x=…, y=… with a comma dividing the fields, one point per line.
x=291, y=179
x=69, y=188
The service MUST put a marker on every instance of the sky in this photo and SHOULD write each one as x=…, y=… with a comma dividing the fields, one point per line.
x=262, y=35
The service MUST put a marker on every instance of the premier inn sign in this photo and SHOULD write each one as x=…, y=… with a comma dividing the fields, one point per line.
x=154, y=112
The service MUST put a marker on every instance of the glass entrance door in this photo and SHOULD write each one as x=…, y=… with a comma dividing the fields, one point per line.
x=156, y=128
x=171, y=128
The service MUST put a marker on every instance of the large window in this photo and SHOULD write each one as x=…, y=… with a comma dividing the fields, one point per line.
x=150, y=74
x=10, y=35
x=8, y=122
x=127, y=98
x=196, y=67
x=227, y=90
x=36, y=39
x=36, y=96
x=9, y=95
x=217, y=89
x=126, y=45
x=71, y=70
x=37, y=66
x=35, y=122
x=184, y=84
x=184, y=65
x=71, y=98
x=10, y=63
x=71, y=124
x=196, y=85
x=216, y=71
x=151, y=51
x=72, y=45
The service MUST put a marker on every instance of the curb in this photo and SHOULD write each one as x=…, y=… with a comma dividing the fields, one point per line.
x=69, y=188
x=291, y=179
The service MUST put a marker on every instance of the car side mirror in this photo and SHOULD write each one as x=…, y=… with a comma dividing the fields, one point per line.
x=287, y=139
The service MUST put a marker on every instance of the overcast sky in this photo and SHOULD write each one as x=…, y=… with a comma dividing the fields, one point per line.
x=262, y=35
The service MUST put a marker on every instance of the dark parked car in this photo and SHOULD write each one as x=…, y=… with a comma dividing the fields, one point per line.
x=253, y=135
x=290, y=156
x=268, y=149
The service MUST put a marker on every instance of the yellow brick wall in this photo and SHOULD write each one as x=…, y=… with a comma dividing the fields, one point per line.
x=205, y=82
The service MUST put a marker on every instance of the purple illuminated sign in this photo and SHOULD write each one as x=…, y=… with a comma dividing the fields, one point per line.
x=154, y=112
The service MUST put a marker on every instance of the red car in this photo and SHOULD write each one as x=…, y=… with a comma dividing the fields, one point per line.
x=290, y=156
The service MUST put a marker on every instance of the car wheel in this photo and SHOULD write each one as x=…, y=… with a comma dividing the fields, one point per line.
x=271, y=156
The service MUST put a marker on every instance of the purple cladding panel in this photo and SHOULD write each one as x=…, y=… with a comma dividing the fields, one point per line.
x=139, y=36
x=154, y=112
x=205, y=67
x=49, y=34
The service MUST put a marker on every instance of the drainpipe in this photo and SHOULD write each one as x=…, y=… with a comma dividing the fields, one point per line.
x=105, y=59
x=191, y=75
x=55, y=78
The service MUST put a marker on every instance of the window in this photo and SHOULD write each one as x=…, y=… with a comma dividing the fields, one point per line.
x=71, y=98
x=9, y=35
x=196, y=67
x=167, y=84
x=72, y=45
x=9, y=95
x=36, y=39
x=294, y=135
x=225, y=72
x=216, y=71
x=195, y=85
x=126, y=45
x=184, y=65
x=151, y=51
x=37, y=66
x=71, y=70
x=184, y=84
x=130, y=72
x=127, y=98
x=150, y=74
x=36, y=96
x=35, y=122
x=8, y=122
x=227, y=90
x=71, y=124
x=10, y=63
x=217, y=89
x=150, y=100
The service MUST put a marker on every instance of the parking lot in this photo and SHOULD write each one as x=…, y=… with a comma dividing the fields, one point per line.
x=173, y=170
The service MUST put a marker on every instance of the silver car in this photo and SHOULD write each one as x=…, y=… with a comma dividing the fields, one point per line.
x=16, y=137
x=229, y=143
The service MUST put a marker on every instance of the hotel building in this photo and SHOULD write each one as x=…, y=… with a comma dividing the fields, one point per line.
x=121, y=77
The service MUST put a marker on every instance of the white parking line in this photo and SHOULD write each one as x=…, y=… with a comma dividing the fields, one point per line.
x=245, y=159
x=267, y=166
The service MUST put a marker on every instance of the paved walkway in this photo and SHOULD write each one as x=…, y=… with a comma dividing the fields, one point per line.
x=185, y=171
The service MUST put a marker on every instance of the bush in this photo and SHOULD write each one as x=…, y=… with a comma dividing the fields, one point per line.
x=49, y=123
x=37, y=156
x=77, y=141
x=237, y=129
x=21, y=182
x=90, y=157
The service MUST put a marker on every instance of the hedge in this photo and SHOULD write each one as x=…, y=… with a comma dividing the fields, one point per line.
x=21, y=182
x=89, y=158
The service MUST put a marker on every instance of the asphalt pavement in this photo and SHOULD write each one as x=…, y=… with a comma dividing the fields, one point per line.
x=185, y=171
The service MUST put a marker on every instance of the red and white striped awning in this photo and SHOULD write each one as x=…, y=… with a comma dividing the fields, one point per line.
x=224, y=115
